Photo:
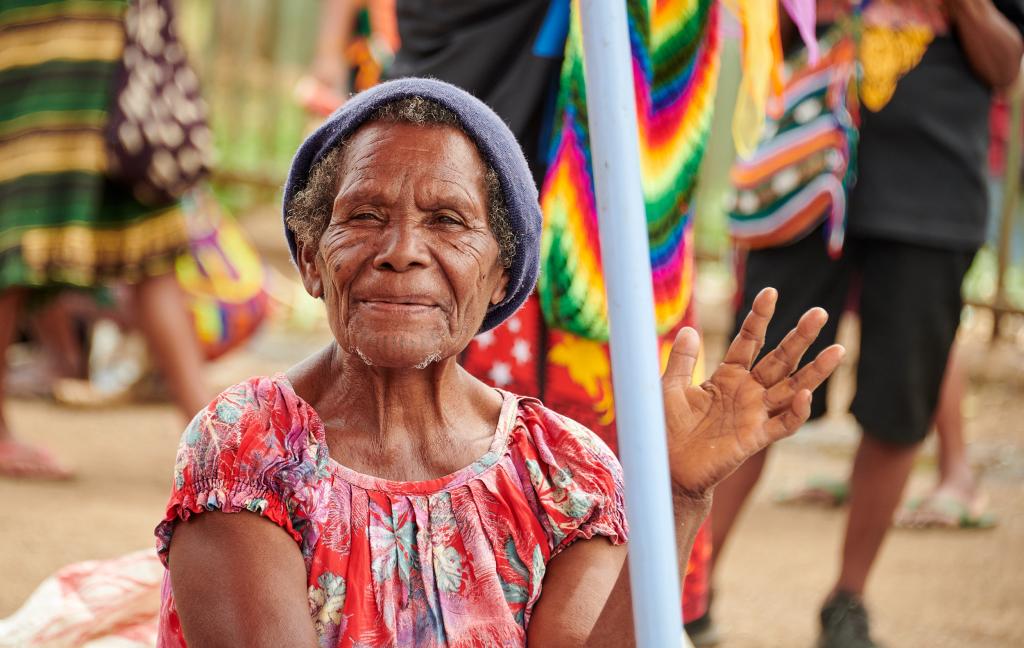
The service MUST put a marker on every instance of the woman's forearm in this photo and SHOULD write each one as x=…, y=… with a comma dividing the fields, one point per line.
x=336, y=23
x=993, y=45
x=615, y=625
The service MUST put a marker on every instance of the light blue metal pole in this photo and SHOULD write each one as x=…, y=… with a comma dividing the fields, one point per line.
x=625, y=252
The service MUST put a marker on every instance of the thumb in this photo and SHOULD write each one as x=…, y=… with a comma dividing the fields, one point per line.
x=682, y=359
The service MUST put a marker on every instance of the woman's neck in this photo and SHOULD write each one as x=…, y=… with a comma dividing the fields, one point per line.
x=379, y=415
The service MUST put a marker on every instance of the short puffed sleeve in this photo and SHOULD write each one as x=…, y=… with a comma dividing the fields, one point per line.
x=257, y=447
x=575, y=478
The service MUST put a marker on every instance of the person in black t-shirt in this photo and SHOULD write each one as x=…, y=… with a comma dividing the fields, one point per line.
x=916, y=217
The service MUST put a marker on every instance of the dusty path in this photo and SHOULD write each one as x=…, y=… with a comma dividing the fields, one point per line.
x=931, y=589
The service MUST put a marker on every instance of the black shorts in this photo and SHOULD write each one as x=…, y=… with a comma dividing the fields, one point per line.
x=909, y=303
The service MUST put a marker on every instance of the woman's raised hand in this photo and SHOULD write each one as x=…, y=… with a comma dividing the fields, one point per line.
x=715, y=426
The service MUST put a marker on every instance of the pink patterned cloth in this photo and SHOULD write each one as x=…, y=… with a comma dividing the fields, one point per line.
x=453, y=561
x=92, y=604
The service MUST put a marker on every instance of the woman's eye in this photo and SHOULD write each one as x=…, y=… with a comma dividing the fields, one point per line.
x=363, y=216
x=446, y=219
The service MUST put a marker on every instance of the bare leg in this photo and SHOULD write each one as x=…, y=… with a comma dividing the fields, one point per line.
x=18, y=459
x=880, y=472
x=955, y=501
x=61, y=353
x=730, y=496
x=10, y=306
x=164, y=320
x=56, y=331
x=955, y=476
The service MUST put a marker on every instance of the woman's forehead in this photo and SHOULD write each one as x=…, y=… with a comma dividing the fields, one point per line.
x=385, y=160
x=435, y=163
x=405, y=144
x=427, y=192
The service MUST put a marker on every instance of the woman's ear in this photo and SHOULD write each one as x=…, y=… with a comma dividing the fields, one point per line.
x=500, y=289
x=305, y=258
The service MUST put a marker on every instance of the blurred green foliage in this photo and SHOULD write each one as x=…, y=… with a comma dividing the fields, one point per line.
x=249, y=54
x=711, y=227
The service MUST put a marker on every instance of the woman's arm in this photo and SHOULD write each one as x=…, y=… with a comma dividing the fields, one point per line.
x=712, y=428
x=239, y=580
x=587, y=597
x=993, y=45
x=337, y=20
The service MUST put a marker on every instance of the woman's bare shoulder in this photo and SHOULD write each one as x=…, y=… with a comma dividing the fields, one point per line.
x=310, y=376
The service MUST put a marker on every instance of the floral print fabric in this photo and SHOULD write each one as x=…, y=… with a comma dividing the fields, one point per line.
x=453, y=561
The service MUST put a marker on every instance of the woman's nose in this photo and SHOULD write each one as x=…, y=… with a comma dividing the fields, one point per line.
x=402, y=248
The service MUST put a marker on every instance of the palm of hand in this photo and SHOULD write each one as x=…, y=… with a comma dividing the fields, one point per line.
x=716, y=426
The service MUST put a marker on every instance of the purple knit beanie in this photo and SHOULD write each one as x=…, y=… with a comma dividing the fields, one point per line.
x=497, y=146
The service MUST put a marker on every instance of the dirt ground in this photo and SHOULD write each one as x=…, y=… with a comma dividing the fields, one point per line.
x=930, y=589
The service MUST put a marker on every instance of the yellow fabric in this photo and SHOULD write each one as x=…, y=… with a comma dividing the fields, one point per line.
x=78, y=250
x=101, y=40
x=761, y=63
x=53, y=152
x=886, y=55
x=51, y=120
x=230, y=271
x=589, y=367
x=90, y=9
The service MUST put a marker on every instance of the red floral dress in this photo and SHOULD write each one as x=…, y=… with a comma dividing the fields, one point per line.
x=453, y=561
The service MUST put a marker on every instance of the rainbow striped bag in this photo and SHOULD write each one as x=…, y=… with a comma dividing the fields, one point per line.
x=675, y=49
x=804, y=165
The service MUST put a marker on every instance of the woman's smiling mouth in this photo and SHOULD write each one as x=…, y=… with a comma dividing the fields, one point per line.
x=400, y=305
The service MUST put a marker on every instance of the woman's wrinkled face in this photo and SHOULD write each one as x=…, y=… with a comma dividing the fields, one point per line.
x=407, y=265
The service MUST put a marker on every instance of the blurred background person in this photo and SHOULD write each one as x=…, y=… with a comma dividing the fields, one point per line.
x=917, y=214
x=957, y=501
x=355, y=47
x=64, y=220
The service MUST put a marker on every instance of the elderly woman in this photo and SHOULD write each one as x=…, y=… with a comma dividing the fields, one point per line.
x=393, y=498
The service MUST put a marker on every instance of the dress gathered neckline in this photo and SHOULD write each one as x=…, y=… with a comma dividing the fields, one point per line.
x=497, y=448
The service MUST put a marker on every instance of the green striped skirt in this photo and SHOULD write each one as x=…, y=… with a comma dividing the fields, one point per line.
x=63, y=221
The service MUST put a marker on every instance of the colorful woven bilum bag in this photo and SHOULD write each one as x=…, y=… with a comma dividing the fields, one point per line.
x=804, y=165
x=223, y=277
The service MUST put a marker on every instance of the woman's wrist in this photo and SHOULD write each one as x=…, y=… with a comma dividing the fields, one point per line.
x=691, y=505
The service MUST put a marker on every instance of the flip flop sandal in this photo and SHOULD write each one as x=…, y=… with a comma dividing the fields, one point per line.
x=85, y=394
x=945, y=512
x=20, y=461
x=819, y=490
x=29, y=382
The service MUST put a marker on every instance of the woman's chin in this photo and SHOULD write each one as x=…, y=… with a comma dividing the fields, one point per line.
x=399, y=351
x=390, y=362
